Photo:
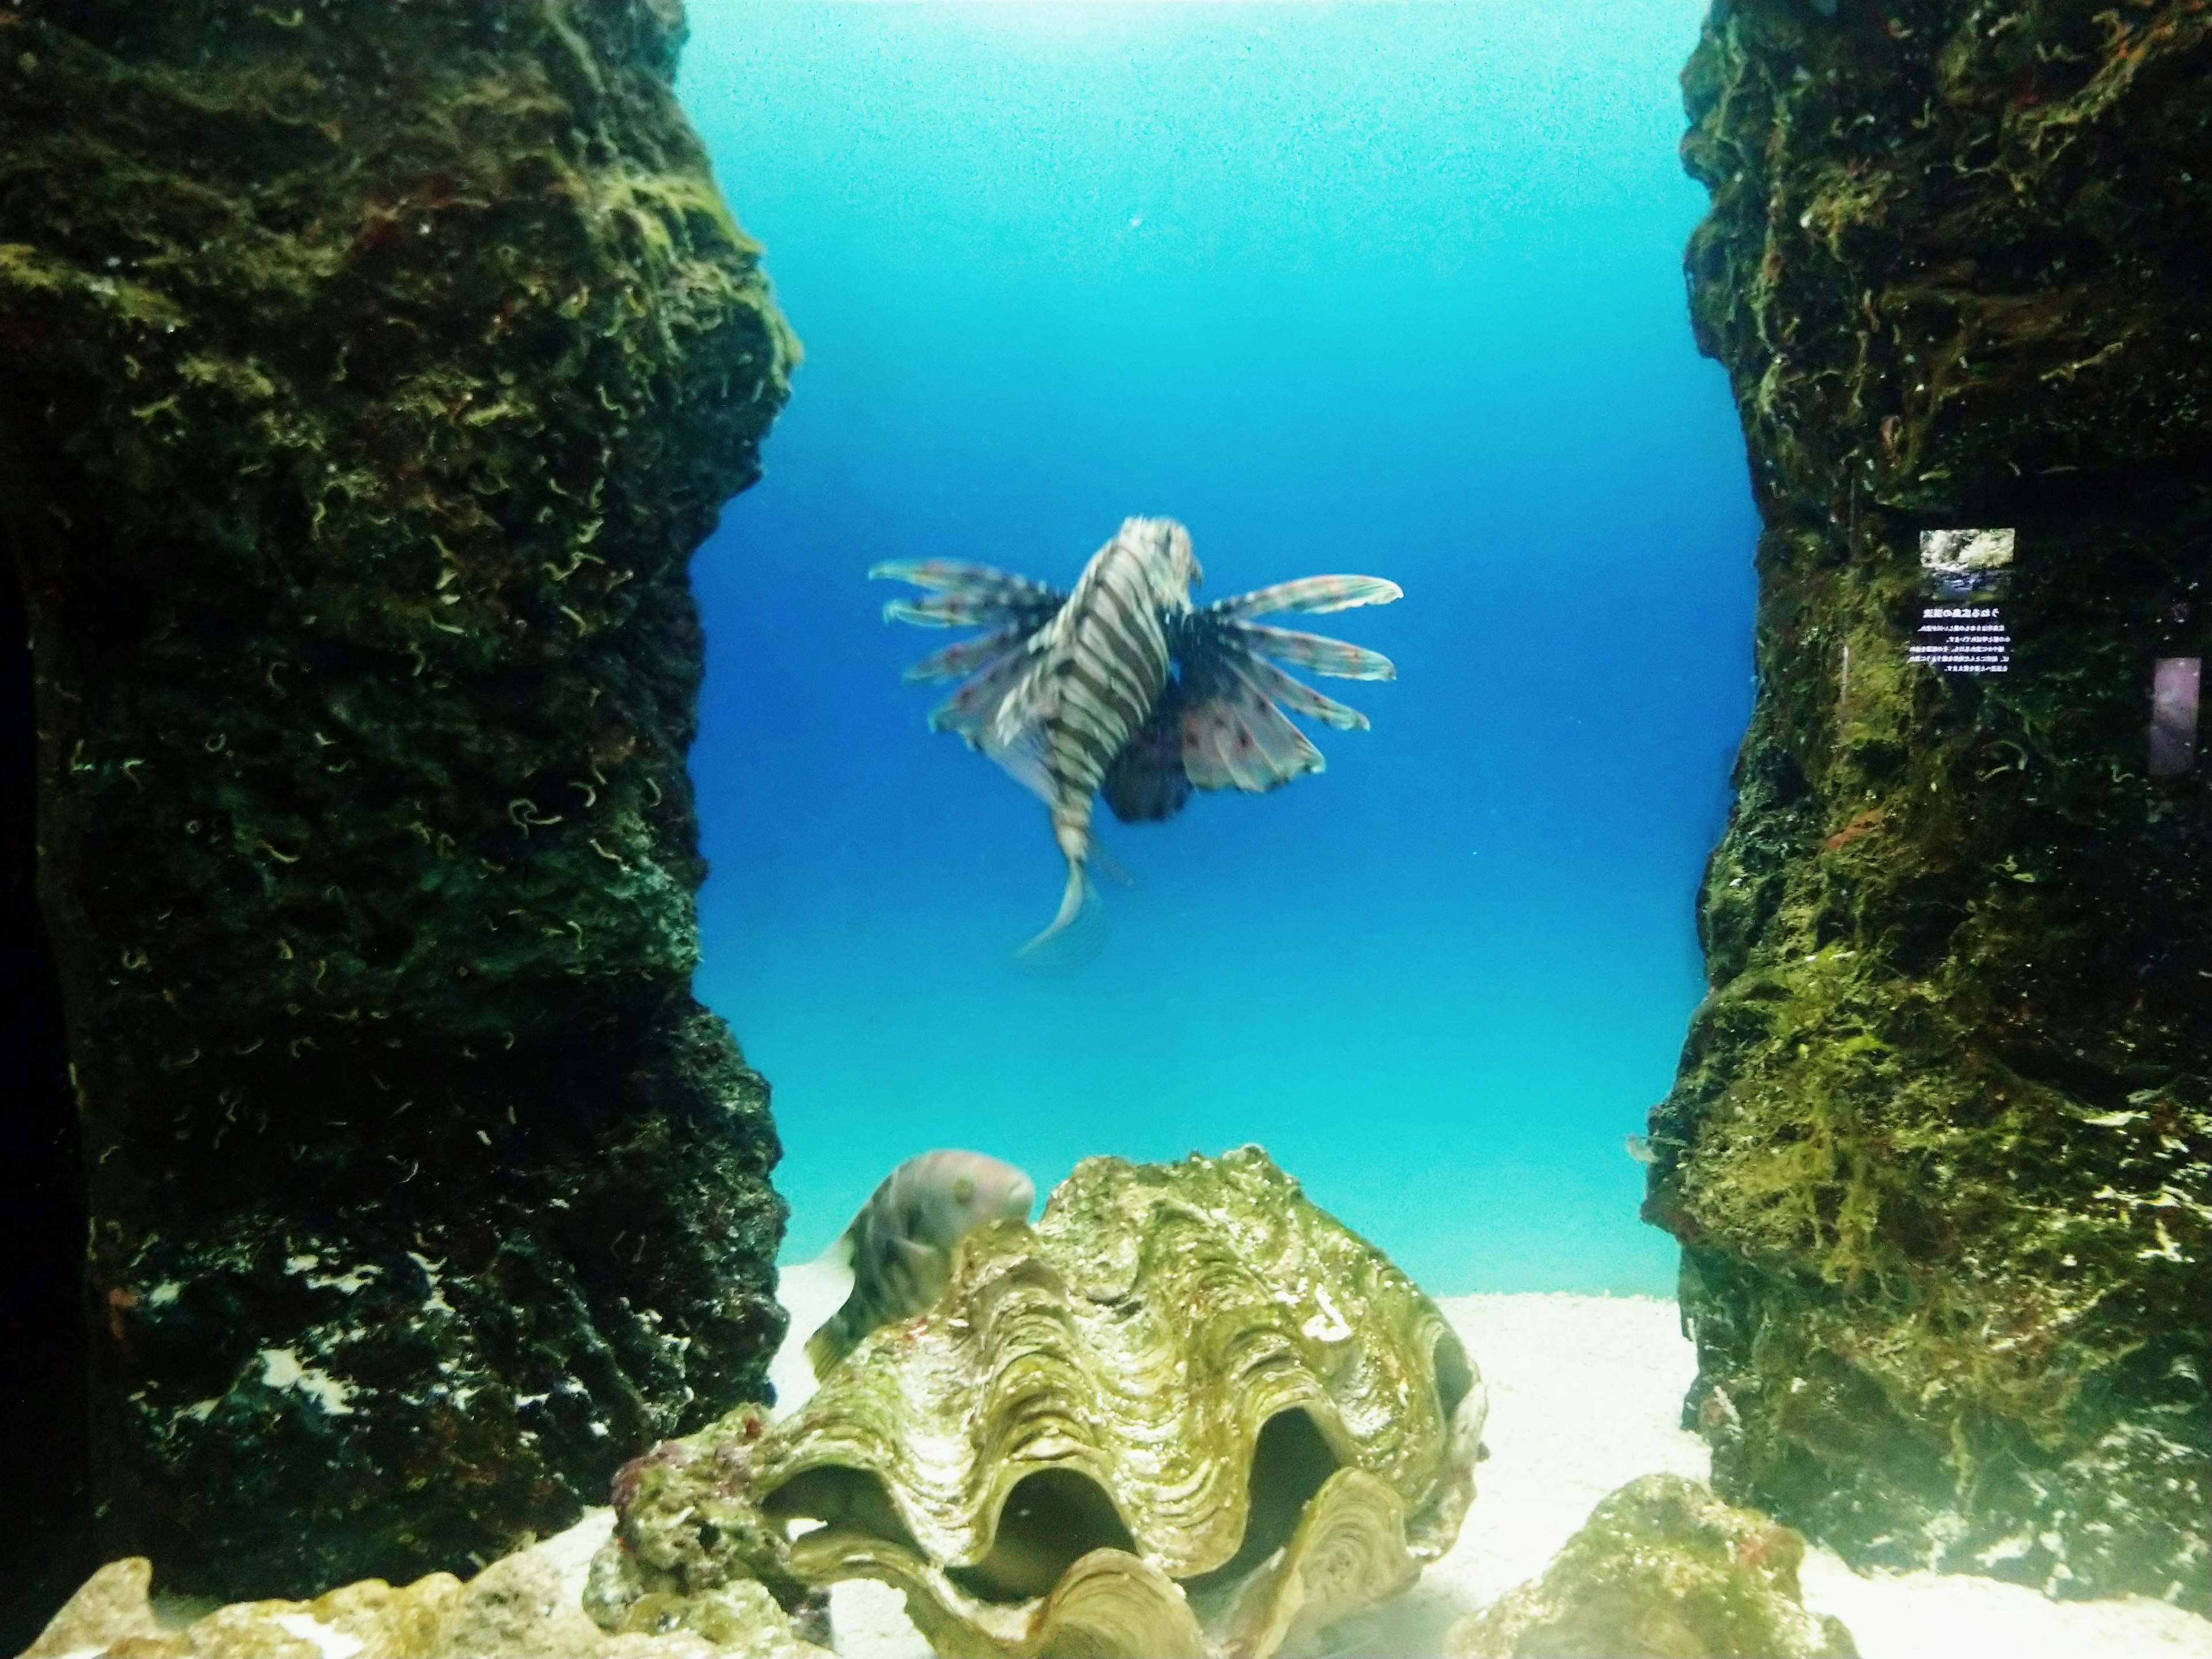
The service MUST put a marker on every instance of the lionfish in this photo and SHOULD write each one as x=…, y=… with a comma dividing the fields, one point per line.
x=1123, y=688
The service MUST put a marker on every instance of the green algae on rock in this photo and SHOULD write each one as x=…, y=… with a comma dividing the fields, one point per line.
x=1662, y=1570
x=686, y=1528
x=1940, y=1151
x=1187, y=1413
x=368, y=374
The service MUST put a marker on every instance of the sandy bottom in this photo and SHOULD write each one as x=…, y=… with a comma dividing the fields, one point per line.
x=1585, y=1392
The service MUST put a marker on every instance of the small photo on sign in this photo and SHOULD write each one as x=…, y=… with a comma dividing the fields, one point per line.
x=2175, y=686
x=1957, y=564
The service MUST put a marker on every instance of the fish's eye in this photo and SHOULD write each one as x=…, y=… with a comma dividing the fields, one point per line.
x=964, y=1190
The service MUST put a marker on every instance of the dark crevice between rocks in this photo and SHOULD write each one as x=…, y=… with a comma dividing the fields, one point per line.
x=45, y=1457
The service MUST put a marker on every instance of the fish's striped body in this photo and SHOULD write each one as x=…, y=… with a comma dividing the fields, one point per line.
x=1098, y=669
x=1122, y=687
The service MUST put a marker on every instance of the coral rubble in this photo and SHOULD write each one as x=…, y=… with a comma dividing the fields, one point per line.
x=1940, y=1151
x=523, y=1607
x=1663, y=1569
x=1188, y=1414
x=368, y=374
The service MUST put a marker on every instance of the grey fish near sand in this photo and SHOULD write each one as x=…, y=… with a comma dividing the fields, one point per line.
x=900, y=1245
x=1123, y=688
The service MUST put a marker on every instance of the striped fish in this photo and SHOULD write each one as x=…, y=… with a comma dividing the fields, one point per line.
x=900, y=1245
x=1123, y=689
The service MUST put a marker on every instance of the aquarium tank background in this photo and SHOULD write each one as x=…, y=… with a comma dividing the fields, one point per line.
x=1386, y=290
x=527, y=1090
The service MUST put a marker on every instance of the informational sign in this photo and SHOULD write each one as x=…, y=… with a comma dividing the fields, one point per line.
x=1962, y=639
x=1965, y=574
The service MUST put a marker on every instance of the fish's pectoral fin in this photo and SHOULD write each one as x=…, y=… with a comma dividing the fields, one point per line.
x=961, y=595
x=1020, y=753
x=990, y=711
x=963, y=658
x=1237, y=738
x=1297, y=697
x=1316, y=651
x=977, y=581
x=946, y=611
x=918, y=1259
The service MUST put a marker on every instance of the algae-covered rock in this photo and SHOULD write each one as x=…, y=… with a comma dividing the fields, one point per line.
x=522, y=1607
x=1940, y=1151
x=686, y=1525
x=1662, y=1570
x=1188, y=1413
x=368, y=374
x=110, y=1607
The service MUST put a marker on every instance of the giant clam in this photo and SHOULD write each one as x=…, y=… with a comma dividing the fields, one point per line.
x=1188, y=1413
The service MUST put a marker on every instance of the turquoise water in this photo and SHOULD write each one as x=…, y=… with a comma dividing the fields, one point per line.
x=1392, y=290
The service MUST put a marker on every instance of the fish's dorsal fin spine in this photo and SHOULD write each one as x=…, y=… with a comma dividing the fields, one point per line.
x=1312, y=594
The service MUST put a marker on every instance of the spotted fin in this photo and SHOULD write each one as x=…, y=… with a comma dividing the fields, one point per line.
x=1236, y=737
x=1300, y=698
x=1324, y=656
x=980, y=582
x=975, y=707
x=964, y=657
x=960, y=595
x=952, y=610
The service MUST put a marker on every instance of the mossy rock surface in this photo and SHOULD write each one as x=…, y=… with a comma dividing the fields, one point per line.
x=368, y=374
x=1940, y=1151
x=1662, y=1570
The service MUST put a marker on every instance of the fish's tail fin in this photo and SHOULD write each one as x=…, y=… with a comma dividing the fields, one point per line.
x=1077, y=934
x=824, y=1349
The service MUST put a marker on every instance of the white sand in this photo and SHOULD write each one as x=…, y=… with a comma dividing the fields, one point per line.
x=1585, y=1393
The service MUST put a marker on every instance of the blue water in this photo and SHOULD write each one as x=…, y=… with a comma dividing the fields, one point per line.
x=1343, y=288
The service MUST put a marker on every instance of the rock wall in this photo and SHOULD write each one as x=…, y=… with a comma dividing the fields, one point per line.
x=42, y=1218
x=1939, y=1153
x=368, y=374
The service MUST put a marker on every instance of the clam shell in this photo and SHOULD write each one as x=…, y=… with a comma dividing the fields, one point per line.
x=1188, y=1412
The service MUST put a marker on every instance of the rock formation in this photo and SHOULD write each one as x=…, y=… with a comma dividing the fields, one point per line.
x=1662, y=1570
x=368, y=374
x=1939, y=1153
